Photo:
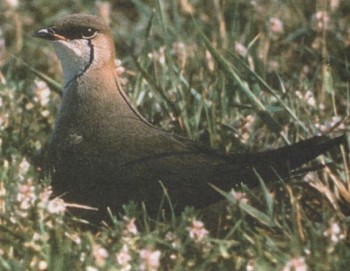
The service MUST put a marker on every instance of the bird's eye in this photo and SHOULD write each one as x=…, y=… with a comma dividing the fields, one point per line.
x=88, y=33
x=51, y=30
x=75, y=33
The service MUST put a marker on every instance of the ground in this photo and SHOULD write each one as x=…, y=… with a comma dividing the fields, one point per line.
x=237, y=75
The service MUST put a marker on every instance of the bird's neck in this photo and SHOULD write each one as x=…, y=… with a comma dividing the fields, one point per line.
x=96, y=97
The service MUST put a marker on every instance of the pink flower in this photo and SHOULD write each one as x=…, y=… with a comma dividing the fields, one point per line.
x=197, y=231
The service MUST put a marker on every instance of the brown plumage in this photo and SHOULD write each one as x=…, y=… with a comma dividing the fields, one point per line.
x=103, y=153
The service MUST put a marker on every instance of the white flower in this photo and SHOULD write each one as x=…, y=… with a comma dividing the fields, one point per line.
x=12, y=3
x=241, y=49
x=100, y=254
x=276, y=26
x=130, y=226
x=150, y=260
x=26, y=195
x=56, y=206
x=158, y=55
x=42, y=265
x=42, y=92
x=334, y=233
x=123, y=258
x=239, y=197
x=23, y=167
x=171, y=237
x=328, y=125
x=295, y=264
x=320, y=21
x=308, y=97
x=45, y=113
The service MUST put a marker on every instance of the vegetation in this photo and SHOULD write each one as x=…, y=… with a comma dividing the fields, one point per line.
x=238, y=75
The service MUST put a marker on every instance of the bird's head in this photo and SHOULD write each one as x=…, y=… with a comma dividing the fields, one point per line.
x=82, y=42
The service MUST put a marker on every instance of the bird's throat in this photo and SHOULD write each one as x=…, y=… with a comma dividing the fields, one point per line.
x=76, y=57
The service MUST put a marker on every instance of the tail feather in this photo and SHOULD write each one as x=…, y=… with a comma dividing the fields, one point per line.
x=302, y=152
x=288, y=158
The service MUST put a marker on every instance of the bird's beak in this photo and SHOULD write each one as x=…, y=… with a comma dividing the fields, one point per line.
x=48, y=34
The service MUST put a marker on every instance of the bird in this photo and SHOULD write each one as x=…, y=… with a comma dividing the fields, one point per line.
x=103, y=153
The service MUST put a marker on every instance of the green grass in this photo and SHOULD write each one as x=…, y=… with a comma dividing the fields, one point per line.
x=220, y=72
